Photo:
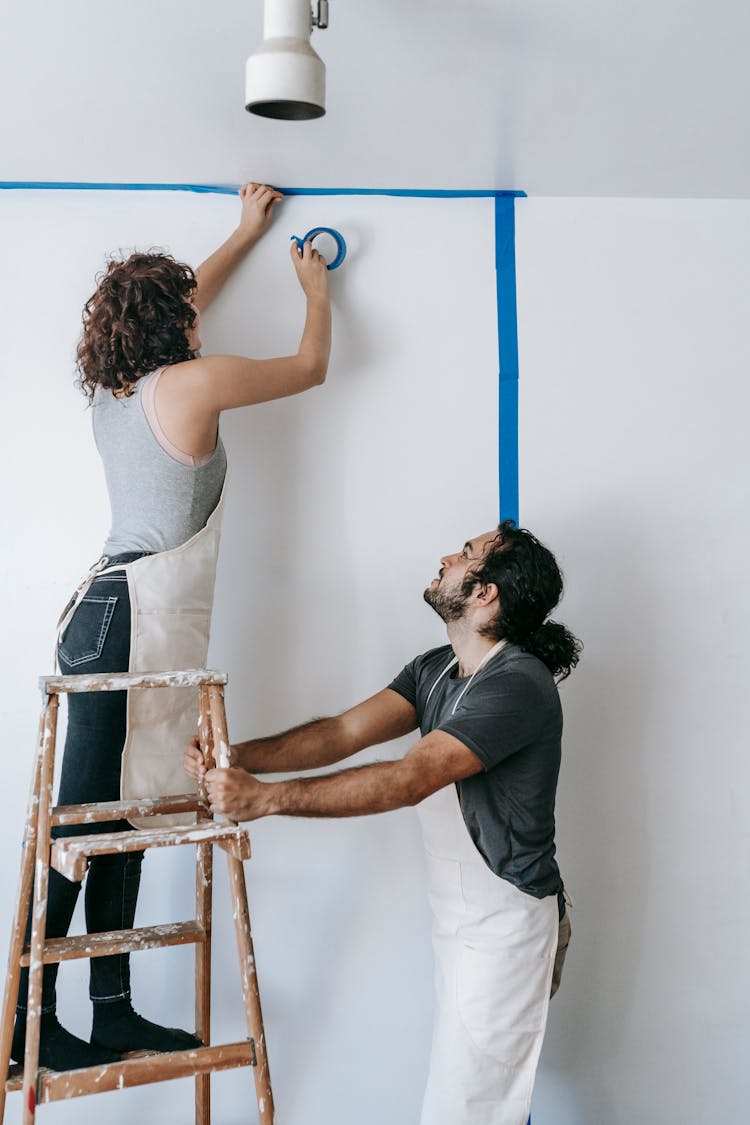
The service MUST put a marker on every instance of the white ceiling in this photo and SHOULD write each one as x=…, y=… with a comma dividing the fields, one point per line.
x=554, y=97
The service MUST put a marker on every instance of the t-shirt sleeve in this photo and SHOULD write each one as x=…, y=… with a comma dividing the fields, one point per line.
x=497, y=718
x=405, y=683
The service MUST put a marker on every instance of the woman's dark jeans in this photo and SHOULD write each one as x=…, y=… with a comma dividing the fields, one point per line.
x=96, y=640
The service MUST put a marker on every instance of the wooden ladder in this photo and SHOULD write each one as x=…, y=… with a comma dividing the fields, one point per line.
x=70, y=857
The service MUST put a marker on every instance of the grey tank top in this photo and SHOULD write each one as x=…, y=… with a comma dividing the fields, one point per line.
x=157, y=503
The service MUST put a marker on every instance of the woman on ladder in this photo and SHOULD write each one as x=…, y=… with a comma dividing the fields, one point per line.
x=146, y=604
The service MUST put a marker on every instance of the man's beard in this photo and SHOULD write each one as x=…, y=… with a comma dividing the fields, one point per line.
x=449, y=605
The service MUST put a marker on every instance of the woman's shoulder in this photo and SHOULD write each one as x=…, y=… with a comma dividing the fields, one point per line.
x=189, y=373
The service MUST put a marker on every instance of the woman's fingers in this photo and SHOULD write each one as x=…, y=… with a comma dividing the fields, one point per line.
x=258, y=203
x=311, y=269
x=310, y=254
x=193, y=760
x=256, y=191
x=265, y=197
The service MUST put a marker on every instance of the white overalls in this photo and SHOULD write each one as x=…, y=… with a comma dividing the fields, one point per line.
x=494, y=954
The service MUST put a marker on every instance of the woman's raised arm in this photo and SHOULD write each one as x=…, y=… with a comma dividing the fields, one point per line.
x=191, y=395
x=258, y=202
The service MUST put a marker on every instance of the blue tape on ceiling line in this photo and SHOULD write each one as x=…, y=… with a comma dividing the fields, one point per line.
x=410, y=193
x=229, y=189
x=507, y=336
x=54, y=185
x=505, y=264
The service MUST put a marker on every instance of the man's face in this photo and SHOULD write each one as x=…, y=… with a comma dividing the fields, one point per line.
x=445, y=593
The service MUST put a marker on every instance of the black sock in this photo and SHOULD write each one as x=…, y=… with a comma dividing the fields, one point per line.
x=119, y=1028
x=58, y=1049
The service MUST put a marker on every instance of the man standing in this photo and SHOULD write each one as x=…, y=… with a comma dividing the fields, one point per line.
x=484, y=776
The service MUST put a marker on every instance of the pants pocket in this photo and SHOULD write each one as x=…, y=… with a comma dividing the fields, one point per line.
x=84, y=637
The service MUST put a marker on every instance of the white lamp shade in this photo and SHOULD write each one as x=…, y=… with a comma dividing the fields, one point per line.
x=285, y=78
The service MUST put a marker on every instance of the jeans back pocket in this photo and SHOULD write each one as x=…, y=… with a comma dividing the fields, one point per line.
x=84, y=637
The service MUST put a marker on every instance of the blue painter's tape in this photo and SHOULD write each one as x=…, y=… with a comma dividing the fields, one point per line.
x=230, y=189
x=507, y=336
x=410, y=193
x=335, y=235
x=505, y=263
x=50, y=185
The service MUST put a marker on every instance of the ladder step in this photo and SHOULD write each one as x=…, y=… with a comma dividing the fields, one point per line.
x=69, y=856
x=118, y=941
x=125, y=810
x=137, y=1070
x=122, y=681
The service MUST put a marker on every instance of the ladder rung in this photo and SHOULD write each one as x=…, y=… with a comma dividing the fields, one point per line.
x=138, y=1070
x=121, y=681
x=125, y=810
x=69, y=855
x=118, y=941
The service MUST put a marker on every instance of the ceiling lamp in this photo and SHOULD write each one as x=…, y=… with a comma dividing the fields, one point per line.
x=285, y=78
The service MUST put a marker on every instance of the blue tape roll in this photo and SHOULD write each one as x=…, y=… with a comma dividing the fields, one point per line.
x=335, y=235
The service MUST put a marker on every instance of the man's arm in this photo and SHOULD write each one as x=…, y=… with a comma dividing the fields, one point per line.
x=258, y=203
x=322, y=742
x=435, y=761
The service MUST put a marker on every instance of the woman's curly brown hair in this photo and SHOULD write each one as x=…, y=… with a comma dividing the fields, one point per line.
x=137, y=320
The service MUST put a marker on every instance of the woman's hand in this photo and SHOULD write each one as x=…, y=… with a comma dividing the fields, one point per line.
x=312, y=270
x=193, y=761
x=258, y=203
x=196, y=763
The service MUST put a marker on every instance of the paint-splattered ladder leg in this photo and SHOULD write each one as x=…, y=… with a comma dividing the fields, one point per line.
x=23, y=902
x=241, y=913
x=250, y=989
x=39, y=914
x=203, y=897
x=219, y=735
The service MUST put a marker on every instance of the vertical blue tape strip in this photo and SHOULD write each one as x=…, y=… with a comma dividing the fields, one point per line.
x=507, y=336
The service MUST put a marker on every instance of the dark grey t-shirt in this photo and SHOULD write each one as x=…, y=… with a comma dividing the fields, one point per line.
x=511, y=719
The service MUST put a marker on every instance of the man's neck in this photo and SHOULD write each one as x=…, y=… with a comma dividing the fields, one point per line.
x=469, y=646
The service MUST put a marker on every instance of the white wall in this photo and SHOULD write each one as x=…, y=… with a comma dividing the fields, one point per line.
x=340, y=505
x=633, y=360
x=564, y=97
x=634, y=364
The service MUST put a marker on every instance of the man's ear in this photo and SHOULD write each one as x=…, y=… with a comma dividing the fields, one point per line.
x=486, y=593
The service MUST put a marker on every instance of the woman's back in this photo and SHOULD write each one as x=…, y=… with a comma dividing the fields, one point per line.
x=158, y=502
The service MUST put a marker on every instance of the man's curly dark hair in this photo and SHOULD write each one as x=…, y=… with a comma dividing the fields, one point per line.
x=529, y=584
x=137, y=320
